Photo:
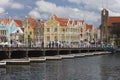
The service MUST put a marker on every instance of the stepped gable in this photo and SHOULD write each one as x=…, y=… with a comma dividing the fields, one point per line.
x=42, y=23
x=65, y=21
x=18, y=22
x=62, y=21
x=89, y=27
x=113, y=19
x=76, y=21
x=7, y=21
x=32, y=22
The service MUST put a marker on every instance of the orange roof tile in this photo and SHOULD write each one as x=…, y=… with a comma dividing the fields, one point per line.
x=18, y=22
x=32, y=22
x=42, y=23
x=89, y=27
x=76, y=21
x=7, y=21
x=1, y=21
x=62, y=21
x=113, y=19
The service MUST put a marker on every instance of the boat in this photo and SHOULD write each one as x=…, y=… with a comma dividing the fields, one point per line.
x=2, y=64
x=111, y=48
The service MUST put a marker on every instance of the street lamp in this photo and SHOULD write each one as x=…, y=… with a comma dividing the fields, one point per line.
x=26, y=34
x=9, y=39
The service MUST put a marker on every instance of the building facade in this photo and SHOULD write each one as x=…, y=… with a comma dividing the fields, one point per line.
x=104, y=25
x=64, y=31
x=3, y=32
x=38, y=33
x=29, y=25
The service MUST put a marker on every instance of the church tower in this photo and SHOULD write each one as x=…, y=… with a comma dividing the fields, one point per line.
x=104, y=25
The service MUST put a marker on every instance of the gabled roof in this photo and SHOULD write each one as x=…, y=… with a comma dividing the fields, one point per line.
x=65, y=21
x=1, y=21
x=42, y=23
x=7, y=21
x=76, y=21
x=18, y=22
x=89, y=27
x=62, y=21
x=113, y=19
x=32, y=22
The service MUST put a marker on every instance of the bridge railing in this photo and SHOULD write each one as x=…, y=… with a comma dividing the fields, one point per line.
x=58, y=47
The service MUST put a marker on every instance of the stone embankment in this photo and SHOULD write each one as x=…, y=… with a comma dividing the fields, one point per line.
x=45, y=58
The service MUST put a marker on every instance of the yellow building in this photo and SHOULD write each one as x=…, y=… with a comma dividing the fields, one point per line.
x=62, y=30
x=82, y=30
x=90, y=33
x=51, y=28
x=29, y=25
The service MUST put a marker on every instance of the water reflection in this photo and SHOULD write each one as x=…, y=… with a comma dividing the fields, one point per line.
x=88, y=68
x=53, y=70
x=68, y=69
x=38, y=71
x=106, y=67
x=17, y=72
x=110, y=68
x=2, y=73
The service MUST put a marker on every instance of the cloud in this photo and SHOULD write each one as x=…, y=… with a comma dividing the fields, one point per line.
x=2, y=10
x=4, y=3
x=17, y=6
x=9, y=4
x=45, y=8
x=75, y=1
x=99, y=4
x=112, y=13
x=34, y=14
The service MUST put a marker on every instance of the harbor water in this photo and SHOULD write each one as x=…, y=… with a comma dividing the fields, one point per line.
x=102, y=67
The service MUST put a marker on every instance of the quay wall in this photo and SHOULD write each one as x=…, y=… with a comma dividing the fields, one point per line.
x=7, y=53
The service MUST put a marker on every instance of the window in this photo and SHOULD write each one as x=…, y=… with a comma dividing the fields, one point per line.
x=30, y=33
x=48, y=38
x=28, y=27
x=55, y=38
x=55, y=30
x=48, y=29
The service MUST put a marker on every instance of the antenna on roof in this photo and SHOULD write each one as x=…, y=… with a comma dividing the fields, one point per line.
x=104, y=4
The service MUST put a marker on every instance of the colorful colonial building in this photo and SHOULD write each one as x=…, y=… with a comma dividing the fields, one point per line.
x=9, y=31
x=29, y=25
x=38, y=33
x=64, y=31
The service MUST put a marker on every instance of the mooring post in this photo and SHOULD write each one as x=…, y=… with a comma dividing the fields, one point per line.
x=70, y=51
x=79, y=50
x=95, y=49
x=27, y=52
x=43, y=51
x=88, y=49
x=9, y=54
x=58, y=51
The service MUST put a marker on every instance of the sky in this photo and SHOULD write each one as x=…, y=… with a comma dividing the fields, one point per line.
x=88, y=10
